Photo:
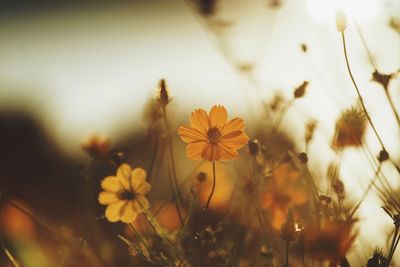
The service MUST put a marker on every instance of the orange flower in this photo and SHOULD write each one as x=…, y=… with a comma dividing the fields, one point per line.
x=212, y=137
x=96, y=145
x=283, y=191
x=332, y=241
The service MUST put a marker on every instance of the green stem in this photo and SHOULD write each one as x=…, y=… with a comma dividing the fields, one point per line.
x=8, y=254
x=287, y=254
x=175, y=184
x=392, y=106
x=372, y=183
x=203, y=215
x=393, y=246
x=358, y=92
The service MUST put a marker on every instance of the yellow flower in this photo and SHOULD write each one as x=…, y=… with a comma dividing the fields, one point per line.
x=124, y=194
x=213, y=137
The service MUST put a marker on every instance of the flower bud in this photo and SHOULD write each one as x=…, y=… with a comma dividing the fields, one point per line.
x=341, y=21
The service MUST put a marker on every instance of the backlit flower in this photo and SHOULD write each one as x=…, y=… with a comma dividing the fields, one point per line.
x=124, y=194
x=96, y=145
x=283, y=191
x=350, y=128
x=331, y=242
x=212, y=137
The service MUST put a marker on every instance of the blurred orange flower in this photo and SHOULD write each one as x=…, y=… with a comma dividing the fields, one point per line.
x=168, y=216
x=212, y=137
x=96, y=145
x=125, y=194
x=331, y=242
x=202, y=181
x=282, y=192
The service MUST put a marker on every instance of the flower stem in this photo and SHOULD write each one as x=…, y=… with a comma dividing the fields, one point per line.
x=9, y=255
x=358, y=92
x=390, y=100
x=287, y=253
x=174, y=184
x=393, y=246
x=371, y=61
x=362, y=102
x=203, y=215
x=371, y=184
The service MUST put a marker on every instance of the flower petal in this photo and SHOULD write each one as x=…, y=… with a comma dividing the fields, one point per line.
x=190, y=134
x=210, y=153
x=227, y=153
x=194, y=150
x=128, y=212
x=218, y=116
x=200, y=121
x=235, y=141
x=124, y=171
x=236, y=124
x=279, y=216
x=106, y=198
x=111, y=184
x=124, y=174
x=138, y=176
x=113, y=211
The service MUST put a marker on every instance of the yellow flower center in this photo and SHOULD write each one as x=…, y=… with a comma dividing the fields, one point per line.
x=127, y=195
x=213, y=135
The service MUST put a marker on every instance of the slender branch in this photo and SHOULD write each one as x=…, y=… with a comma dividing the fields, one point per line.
x=8, y=254
x=390, y=100
x=211, y=193
x=364, y=195
x=393, y=246
x=371, y=61
x=287, y=253
x=358, y=92
x=175, y=185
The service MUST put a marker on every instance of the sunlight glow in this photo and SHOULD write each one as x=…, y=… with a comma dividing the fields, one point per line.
x=324, y=10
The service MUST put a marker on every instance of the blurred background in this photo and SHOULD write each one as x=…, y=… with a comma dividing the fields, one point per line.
x=69, y=69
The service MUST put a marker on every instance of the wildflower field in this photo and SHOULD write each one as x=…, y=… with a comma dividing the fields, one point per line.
x=278, y=146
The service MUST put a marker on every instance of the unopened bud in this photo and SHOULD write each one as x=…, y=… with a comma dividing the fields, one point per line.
x=383, y=155
x=341, y=21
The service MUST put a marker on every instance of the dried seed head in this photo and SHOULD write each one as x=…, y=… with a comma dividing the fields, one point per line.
x=383, y=155
x=394, y=23
x=276, y=102
x=303, y=157
x=206, y=7
x=201, y=177
x=162, y=94
x=338, y=188
x=310, y=129
x=254, y=147
x=119, y=158
x=300, y=91
x=350, y=128
x=341, y=21
x=303, y=48
x=383, y=79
